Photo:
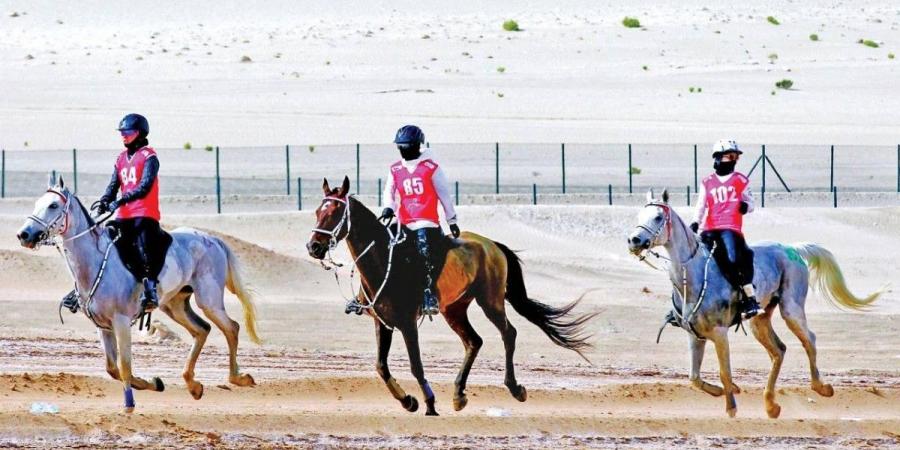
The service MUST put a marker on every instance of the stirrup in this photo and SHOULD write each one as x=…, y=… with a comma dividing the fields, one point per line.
x=670, y=319
x=70, y=302
x=430, y=305
x=353, y=306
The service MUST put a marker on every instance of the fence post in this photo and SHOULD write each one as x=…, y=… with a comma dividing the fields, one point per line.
x=688, y=195
x=898, y=167
x=218, y=185
x=299, y=193
x=287, y=165
x=456, y=197
x=379, y=192
x=357, y=168
x=696, y=187
x=74, y=171
x=629, y=170
x=496, y=167
x=534, y=193
x=831, y=184
x=3, y=172
x=563, y=151
x=834, y=195
x=609, y=194
x=764, y=172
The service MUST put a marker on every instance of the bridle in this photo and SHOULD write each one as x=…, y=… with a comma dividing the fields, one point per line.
x=52, y=228
x=654, y=234
x=334, y=233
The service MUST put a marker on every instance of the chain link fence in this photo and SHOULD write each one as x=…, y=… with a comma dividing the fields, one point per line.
x=289, y=175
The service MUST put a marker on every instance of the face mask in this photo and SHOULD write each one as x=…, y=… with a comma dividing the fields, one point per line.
x=409, y=152
x=724, y=167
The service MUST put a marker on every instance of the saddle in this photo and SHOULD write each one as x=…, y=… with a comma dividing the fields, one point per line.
x=406, y=255
x=128, y=252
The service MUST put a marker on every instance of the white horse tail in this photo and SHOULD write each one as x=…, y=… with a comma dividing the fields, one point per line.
x=826, y=277
x=235, y=283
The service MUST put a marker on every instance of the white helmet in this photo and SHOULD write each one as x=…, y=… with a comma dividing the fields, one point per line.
x=723, y=146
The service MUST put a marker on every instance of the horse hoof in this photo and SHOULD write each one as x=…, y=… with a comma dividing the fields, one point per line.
x=196, y=390
x=160, y=387
x=825, y=390
x=460, y=402
x=735, y=389
x=410, y=403
x=432, y=413
x=129, y=409
x=522, y=395
x=243, y=380
x=731, y=412
x=774, y=411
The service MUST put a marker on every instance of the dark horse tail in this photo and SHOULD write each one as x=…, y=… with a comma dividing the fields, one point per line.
x=564, y=331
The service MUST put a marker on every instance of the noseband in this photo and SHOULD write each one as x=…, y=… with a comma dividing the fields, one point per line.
x=667, y=222
x=334, y=232
x=51, y=227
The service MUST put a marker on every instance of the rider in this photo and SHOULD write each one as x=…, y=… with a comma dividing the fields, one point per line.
x=137, y=208
x=723, y=199
x=415, y=186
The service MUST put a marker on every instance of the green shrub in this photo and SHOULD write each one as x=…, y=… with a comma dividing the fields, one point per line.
x=635, y=170
x=187, y=145
x=773, y=57
x=246, y=59
x=868, y=43
x=312, y=148
x=501, y=69
x=691, y=89
x=784, y=84
x=631, y=22
x=773, y=20
x=208, y=148
x=511, y=25
x=890, y=56
x=814, y=37
x=646, y=68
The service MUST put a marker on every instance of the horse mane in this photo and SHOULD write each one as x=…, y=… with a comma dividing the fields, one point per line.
x=359, y=212
x=87, y=215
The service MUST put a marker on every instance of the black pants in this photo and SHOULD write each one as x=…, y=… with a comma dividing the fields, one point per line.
x=144, y=238
x=733, y=256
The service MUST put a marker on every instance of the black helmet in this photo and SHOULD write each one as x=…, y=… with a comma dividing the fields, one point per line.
x=135, y=122
x=410, y=134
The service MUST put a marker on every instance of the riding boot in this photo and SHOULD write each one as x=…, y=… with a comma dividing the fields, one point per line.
x=150, y=298
x=70, y=301
x=750, y=307
x=430, y=304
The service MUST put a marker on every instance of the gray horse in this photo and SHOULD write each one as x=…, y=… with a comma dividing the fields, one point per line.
x=196, y=263
x=706, y=305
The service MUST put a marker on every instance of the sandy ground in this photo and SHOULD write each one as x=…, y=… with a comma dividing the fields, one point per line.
x=340, y=73
x=315, y=370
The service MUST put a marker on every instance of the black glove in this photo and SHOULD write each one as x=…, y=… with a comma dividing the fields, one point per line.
x=454, y=229
x=695, y=227
x=101, y=206
x=386, y=215
x=744, y=208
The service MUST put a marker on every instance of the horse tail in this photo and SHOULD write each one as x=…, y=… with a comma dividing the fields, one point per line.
x=234, y=281
x=826, y=277
x=564, y=331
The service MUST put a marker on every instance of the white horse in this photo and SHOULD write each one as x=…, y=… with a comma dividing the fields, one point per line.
x=196, y=263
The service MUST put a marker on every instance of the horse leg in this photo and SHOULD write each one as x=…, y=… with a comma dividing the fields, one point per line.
x=765, y=334
x=108, y=339
x=720, y=339
x=122, y=330
x=795, y=318
x=211, y=301
x=411, y=336
x=179, y=309
x=697, y=348
x=456, y=317
x=383, y=338
x=495, y=312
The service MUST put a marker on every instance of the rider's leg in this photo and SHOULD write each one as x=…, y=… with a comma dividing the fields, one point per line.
x=742, y=258
x=424, y=238
x=146, y=233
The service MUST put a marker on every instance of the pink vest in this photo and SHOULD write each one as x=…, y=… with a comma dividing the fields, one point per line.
x=418, y=198
x=723, y=202
x=130, y=171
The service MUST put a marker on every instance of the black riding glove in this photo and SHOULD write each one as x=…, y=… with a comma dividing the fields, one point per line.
x=695, y=227
x=101, y=206
x=744, y=208
x=386, y=215
x=454, y=229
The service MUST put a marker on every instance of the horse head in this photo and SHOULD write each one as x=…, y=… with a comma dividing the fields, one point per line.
x=51, y=215
x=654, y=226
x=332, y=220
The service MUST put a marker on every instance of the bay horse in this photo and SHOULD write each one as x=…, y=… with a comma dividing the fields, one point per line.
x=708, y=307
x=476, y=269
x=196, y=263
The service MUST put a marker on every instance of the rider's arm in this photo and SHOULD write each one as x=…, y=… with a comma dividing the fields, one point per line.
x=747, y=197
x=700, y=214
x=151, y=169
x=112, y=188
x=389, y=199
x=442, y=187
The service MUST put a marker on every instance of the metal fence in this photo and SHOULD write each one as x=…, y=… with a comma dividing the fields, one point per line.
x=475, y=169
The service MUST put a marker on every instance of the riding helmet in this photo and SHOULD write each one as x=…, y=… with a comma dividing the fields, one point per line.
x=135, y=122
x=409, y=134
x=724, y=146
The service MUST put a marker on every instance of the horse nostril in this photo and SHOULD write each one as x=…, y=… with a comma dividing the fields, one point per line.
x=635, y=240
x=22, y=235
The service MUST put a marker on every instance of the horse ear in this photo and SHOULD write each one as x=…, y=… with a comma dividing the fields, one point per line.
x=51, y=179
x=649, y=195
x=325, y=188
x=665, y=196
x=345, y=187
